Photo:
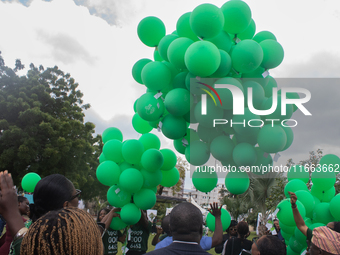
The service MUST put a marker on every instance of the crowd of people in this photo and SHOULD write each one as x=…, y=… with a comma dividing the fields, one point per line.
x=54, y=225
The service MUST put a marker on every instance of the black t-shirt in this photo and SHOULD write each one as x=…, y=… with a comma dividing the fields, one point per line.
x=236, y=245
x=219, y=247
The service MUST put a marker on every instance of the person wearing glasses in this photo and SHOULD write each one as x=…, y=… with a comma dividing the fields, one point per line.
x=51, y=193
x=268, y=245
x=231, y=233
x=236, y=245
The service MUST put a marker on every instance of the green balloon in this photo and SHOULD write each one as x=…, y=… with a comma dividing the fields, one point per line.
x=247, y=56
x=298, y=172
x=206, y=20
x=174, y=127
x=112, y=133
x=225, y=218
x=268, y=89
x=330, y=162
x=237, y=182
x=321, y=194
x=124, y=165
x=257, y=93
x=132, y=151
x=290, y=137
x=307, y=200
x=141, y=126
x=289, y=230
x=157, y=56
x=222, y=41
x=29, y=181
x=225, y=65
x=225, y=94
x=108, y=173
x=130, y=214
x=197, y=153
x=177, y=102
x=156, y=75
x=144, y=199
x=183, y=27
x=204, y=179
x=102, y=158
x=118, y=197
x=322, y=213
x=244, y=154
x=137, y=69
x=164, y=45
x=208, y=134
x=131, y=180
x=293, y=186
x=295, y=245
x=323, y=180
x=277, y=113
x=150, y=141
x=179, y=81
x=174, y=71
x=237, y=15
x=170, y=159
x=272, y=53
x=117, y=224
x=151, y=179
x=149, y=108
x=256, y=75
x=179, y=146
x=334, y=207
x=249, y=32
x=150, y=31
x=221, y=148
x=264, y=162
x=285, y=214
x=272, y=139
x=113, y=151
x=202, y=58
x=176, y=52
x=264, y=35
x=250, y=129
x=152, y=160
x=213, y=112
x=289, y=249
x=170, y=177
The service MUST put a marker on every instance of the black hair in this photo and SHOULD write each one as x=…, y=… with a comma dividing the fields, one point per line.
x=50, y=193
x=337, y=226
x=165, y=225
x=21, y=199
x=107, y=210
x=186, y=222
x=233, y=223
x=271, y=245
x=242, y=228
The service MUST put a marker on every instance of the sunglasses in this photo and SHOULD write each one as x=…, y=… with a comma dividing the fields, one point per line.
x=78, y=192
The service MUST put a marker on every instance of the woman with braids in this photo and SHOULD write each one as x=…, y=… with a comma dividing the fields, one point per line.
x=65, y=231
x=51, y=193
x=110, y=236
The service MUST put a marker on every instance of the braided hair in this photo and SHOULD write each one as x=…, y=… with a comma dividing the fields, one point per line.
x=67, y=231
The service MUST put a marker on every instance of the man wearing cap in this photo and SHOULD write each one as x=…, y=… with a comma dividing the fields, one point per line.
x=324, y=242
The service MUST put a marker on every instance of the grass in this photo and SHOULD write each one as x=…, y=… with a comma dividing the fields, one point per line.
x=151, y=247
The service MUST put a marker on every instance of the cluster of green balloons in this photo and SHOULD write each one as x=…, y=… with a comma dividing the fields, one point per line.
x=317, y=206
x=211, y=46
x=29, y=181
x=133, y=169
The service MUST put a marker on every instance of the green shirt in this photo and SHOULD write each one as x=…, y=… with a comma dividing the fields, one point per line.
x=110, y=241
x=139, y=238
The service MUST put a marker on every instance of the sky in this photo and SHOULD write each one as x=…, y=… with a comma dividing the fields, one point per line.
x=96, y=42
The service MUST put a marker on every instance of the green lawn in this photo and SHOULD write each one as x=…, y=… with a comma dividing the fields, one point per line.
x=151, y=247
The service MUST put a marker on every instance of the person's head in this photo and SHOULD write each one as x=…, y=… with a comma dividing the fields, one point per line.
x=102, y=213
x=242, y=229
x=268, y=245
x=24, y=205
x=277, y=224
x=232, y=230
x=166, y=225
x=186, y=223
x=334, y=225
x=65, y=231
x=325, y=241
x=53, y=192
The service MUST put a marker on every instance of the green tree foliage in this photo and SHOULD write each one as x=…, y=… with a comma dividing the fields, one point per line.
x=42, y=128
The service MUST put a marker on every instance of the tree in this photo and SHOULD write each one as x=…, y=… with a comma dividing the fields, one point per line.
x=42, y=128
